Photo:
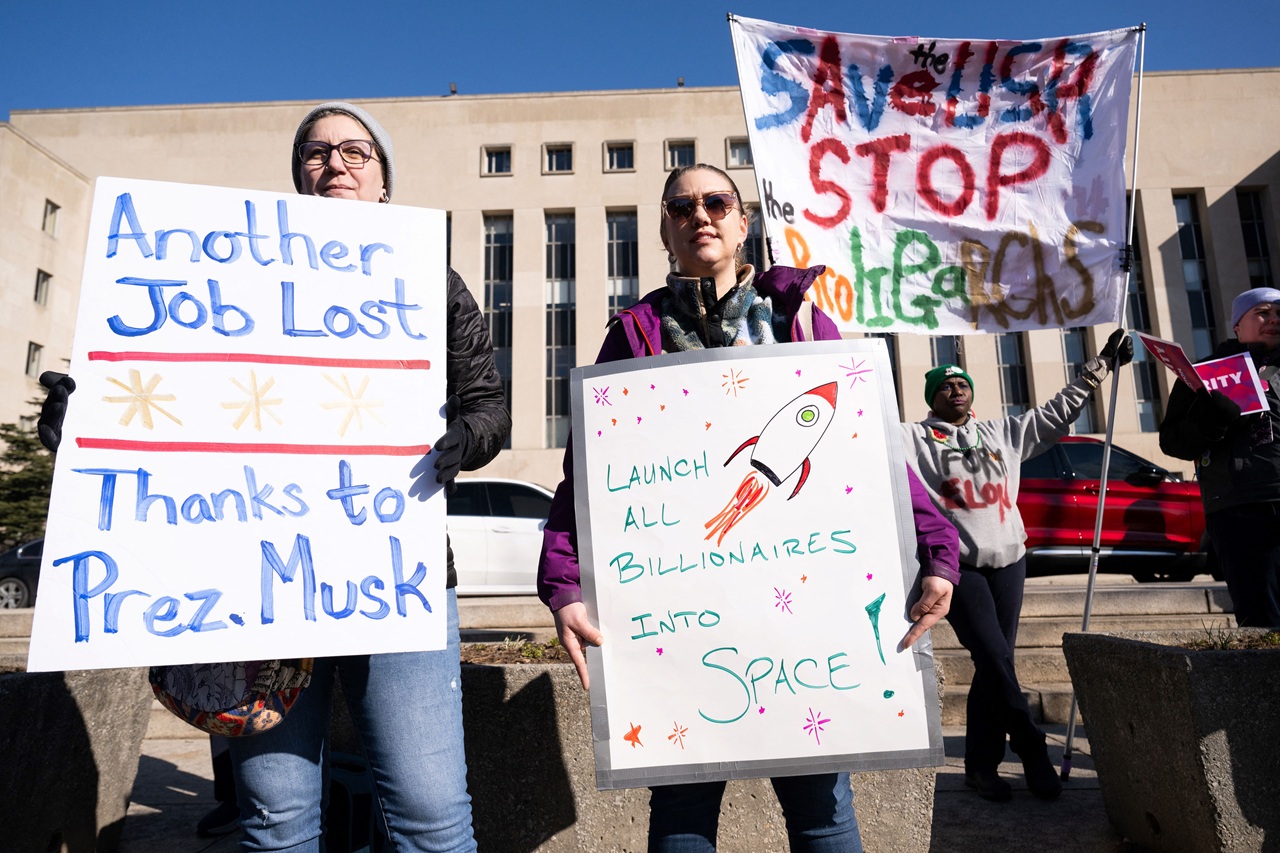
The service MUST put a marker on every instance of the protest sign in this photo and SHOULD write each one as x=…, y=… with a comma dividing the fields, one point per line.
x=1233, y=375
x=949, y=186
x=257, y=375
x=747, y=546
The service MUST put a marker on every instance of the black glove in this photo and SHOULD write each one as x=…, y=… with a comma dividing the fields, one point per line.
x=1119, y=348
x=1215, y=412
x=451, y=446
x=54, y=409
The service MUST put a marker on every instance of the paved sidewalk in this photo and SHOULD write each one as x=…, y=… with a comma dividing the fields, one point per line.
x=174, y=789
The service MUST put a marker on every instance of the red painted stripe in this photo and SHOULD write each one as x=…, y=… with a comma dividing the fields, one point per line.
x=262, y=358
x=226, y=447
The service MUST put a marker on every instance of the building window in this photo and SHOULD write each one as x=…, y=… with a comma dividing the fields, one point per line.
x=1074, y=355
x=738, y=153
x=559, y=158
x=945, y=349
x=561, y=318
x=619, y=157
x=1012, y=366
x=1195, y=271
x=624, y=260
x=42, y=287
x=51, y=218
x=33, y=360
x=1146, y=370
x=499, y=253
x=1256, y=254
x=680, y=153
x=753, y=249
x=497, y=160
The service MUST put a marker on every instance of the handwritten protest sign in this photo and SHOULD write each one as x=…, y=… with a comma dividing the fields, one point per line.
x=1233, y=375
x=747, y=548
x=949, y=186
x=257, y=376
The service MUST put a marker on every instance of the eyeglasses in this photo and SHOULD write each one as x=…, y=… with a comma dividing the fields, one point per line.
x=717, y=205
x=354, y=152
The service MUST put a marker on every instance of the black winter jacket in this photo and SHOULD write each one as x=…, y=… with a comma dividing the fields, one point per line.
x=1236, y=464
x=473, y=376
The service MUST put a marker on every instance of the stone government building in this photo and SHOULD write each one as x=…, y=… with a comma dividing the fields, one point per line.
x=545, y=191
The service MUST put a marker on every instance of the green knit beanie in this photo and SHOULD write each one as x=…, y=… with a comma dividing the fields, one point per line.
x=934, y=379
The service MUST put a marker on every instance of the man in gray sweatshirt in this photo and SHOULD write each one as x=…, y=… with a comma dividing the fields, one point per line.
x=971, y=469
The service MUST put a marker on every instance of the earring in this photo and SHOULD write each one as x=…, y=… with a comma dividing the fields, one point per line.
x=386, y=199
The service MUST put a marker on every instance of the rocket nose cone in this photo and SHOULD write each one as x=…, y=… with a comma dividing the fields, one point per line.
x=826, y=392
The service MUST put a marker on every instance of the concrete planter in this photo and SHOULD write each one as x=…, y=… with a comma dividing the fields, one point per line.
x=532, y=779
x=70, y=742
x=1186, y=743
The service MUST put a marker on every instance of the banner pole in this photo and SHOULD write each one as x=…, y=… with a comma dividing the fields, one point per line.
x=1111, y=409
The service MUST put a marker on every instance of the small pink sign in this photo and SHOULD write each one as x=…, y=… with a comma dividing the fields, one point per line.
x=1236, y=377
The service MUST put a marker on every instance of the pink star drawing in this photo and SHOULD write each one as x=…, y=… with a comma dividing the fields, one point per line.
x=848, y=490
x=797, y=373
x=602, y=396
x=868, y=575
x=855, y=372
x=859, y=412
x=659, y=650
x=761, y=709
x=783, y=599
x=639, y=419
x=814, y=724
x=653, y=387
x=599, y=433
x=686, y=391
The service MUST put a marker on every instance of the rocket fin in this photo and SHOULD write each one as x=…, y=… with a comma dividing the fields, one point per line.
x=804, y=475
x=742, y=447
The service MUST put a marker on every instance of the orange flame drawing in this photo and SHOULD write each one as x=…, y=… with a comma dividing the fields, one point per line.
x=751, y=491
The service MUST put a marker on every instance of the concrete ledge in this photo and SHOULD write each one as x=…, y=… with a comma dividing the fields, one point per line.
x=531, y=775
x=1186, y=742
x=71, y=743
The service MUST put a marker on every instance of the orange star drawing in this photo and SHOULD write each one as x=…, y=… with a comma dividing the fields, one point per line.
x=803, y=578
x=633, y=737
x=708, y=424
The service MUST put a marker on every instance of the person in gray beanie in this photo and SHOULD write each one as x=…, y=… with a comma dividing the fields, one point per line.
x=1238, y=461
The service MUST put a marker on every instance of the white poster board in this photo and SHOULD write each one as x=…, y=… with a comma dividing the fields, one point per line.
x=258, y=374
x=950, y=186
x=751, y=626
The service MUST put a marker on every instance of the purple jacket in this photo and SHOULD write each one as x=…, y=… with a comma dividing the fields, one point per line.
x=636, y=332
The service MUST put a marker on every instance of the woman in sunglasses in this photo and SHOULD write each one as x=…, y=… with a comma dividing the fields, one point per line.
x=712, y=299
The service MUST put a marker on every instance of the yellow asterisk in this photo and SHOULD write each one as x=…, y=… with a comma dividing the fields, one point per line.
x=256, y=404
x=354, y=405
x=141, y=400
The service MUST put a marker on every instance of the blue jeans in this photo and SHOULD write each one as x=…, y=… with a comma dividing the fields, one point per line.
x=818, y=810
x=407, y=709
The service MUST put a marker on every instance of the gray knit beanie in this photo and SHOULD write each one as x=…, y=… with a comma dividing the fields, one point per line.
x=381, y=140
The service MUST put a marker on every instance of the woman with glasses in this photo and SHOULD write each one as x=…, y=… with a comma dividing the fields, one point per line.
x=712, y=299
x=406, y=707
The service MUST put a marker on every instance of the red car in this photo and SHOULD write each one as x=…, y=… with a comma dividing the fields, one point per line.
x=1152, y=527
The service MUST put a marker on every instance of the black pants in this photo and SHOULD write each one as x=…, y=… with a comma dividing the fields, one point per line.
x=984, y=613
x=1247, y=542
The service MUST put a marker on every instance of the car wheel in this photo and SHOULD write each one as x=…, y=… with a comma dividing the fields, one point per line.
x=14, y=594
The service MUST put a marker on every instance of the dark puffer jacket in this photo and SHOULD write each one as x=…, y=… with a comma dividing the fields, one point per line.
x=1236, y=464
x=473, y=376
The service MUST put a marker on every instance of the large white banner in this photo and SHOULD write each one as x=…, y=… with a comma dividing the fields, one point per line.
x=950, y=186
x=258, y=374
x=747, y=547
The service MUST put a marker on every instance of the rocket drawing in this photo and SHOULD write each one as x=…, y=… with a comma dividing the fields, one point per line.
x=784, y=445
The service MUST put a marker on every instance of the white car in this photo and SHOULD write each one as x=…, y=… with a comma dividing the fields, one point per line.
x=495, y=529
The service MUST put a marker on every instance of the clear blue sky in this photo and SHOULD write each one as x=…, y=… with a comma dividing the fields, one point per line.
x=87, y=53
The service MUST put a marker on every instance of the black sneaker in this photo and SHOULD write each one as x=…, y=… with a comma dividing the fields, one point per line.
x=1042, y=778
x=989, y=785
x=223, y=819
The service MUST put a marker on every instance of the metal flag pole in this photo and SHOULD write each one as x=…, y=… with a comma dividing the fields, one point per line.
x=1111, y=408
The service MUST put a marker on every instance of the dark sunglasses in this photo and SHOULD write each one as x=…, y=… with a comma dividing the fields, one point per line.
x=717, y=205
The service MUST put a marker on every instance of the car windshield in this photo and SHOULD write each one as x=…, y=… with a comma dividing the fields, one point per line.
x=1086, y=461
